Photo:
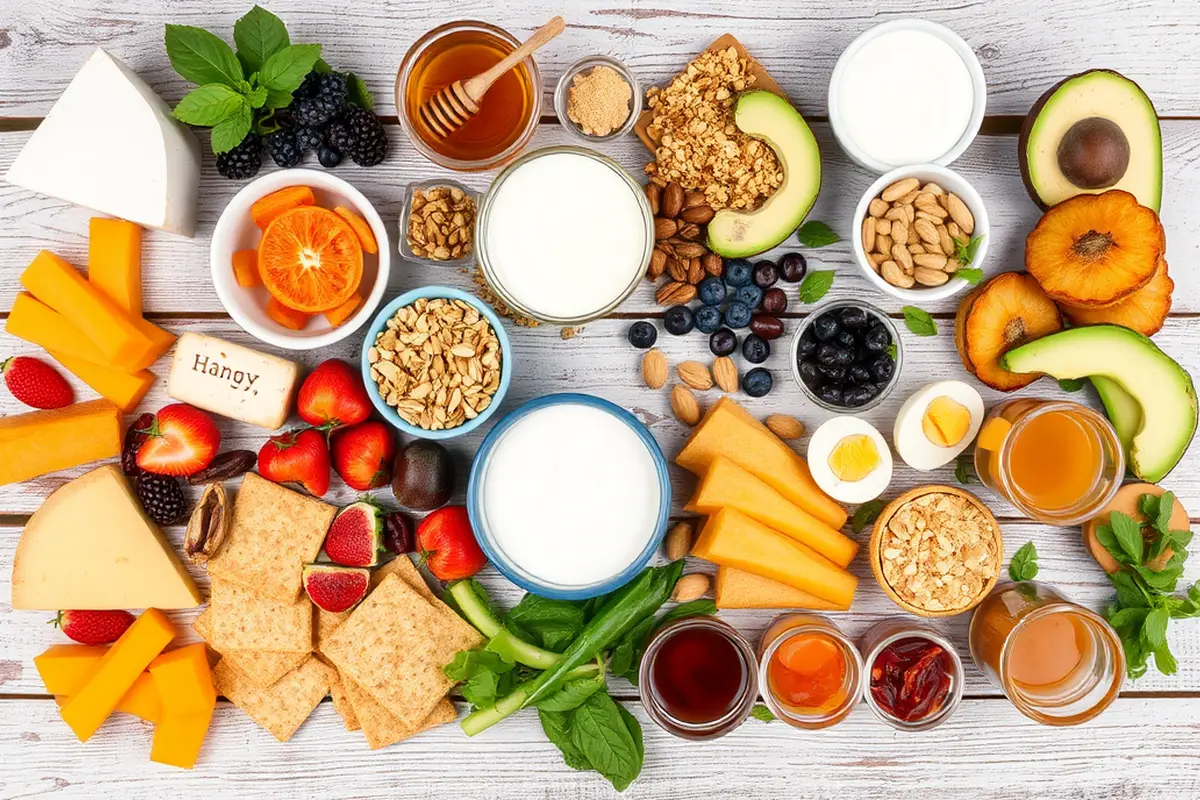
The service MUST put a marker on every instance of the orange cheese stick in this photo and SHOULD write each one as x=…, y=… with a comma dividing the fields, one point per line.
x=736, y=588
x=115, y=262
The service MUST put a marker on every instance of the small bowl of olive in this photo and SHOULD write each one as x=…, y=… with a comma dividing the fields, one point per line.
x=846, y=356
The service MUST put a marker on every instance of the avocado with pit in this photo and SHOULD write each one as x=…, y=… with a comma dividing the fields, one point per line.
x=767, y=116
x=1089, y=133
x=1161, y=389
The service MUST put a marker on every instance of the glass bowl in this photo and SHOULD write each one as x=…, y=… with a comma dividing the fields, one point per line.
x=871, y=310
x=406, y=252
x=877, y=638
x=563, y=89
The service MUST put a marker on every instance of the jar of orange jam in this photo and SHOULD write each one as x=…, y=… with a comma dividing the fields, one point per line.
x=1058, y=662
x=1058, y=462
x=810, y=673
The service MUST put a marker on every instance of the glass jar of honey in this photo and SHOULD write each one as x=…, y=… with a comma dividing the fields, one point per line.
x=1058, y=462
x=809, y=671
x=914, y=675
x=1059, y=663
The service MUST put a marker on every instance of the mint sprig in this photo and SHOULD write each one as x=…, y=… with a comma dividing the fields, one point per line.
x=815, y=233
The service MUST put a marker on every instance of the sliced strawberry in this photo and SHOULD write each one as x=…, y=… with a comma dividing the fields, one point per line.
x=363, y=453
x=297, y=456
x=93, y=627
x=333, y=395
x=182, y=440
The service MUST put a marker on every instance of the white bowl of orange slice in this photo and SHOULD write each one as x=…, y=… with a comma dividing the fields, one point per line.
x=300, y=259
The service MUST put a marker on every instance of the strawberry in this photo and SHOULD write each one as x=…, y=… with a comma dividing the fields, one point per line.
x=135, y=437
x=297, y=456
x=93, y=627
x=332, y=396
x=447, y=544
x=35, y=383
x=181, y=440
x=363, y=453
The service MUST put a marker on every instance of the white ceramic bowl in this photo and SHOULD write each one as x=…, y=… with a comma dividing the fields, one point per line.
x=235, y=230
x=978, y=86
x=950, y=181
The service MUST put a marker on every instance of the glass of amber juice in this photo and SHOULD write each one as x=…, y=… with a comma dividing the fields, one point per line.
x=1057, y=462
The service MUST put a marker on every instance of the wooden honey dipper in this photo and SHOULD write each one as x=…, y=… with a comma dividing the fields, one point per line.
x=451, y=107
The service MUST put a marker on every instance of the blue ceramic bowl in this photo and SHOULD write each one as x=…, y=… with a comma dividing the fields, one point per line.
x=380, y=322
x=496, y=554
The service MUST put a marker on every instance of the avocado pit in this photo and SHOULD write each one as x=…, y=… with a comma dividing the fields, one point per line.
x=1094, y=153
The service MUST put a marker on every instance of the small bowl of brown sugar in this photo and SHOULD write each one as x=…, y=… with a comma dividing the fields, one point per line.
x=598, y=98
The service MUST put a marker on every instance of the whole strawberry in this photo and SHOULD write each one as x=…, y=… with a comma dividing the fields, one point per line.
x=333, y=396
x=181, y=440
x=93, y=627
x=297, y=456
x=35, y=383
x=363, y=453
x=447, y=544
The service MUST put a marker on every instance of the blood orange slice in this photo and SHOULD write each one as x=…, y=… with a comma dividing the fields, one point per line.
x=310, y=259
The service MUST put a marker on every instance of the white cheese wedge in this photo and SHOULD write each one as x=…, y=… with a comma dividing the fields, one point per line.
x=110, y=144
x=90, y=546
x=232, y=380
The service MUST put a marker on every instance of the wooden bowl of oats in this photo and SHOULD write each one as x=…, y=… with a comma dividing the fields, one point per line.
x=936, y=551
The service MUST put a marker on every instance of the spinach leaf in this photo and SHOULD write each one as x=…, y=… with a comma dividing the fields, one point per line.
x=553, y=624
x=573, y=693
x=695, y=608
x=557, y=727
x=599, y=731
x=635, y=730
x=866, y=514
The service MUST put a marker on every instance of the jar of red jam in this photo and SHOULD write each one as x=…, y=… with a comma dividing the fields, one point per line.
x=810, y=673
x=914, y=677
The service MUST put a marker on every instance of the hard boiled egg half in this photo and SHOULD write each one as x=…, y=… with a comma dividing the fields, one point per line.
x=937, y=423
x=850, y=460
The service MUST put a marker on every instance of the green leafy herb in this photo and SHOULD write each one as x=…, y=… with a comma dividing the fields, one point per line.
x=1128, y=534
x=209, y=104
x=761, y=713
x=971, y=275
x=258, y=36
x=1072, y=384
x=601, y=733
x=694, y=608
x=229, y=132
x=892, y=351
x=359, y=94
x=865, y=514
x=919, y=322
x=557, y=727
x=816, y=285
x=815, y=233
x=202, y=57
x=285, y=71
x=963, y=472
x=627, y=655
x=552, y=624
x=1024, y=564
x=965, y=250
x=573, y=693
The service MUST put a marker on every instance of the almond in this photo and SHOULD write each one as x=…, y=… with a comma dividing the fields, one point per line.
x=658, y=263
x=691, y=587
x=785, y=427
x=928, y=233
x=695, y=271
x=884, y=226
x=877, y=208
x=713, y=264
x=695, y=375
x=678, y=540
x=930, y=277
x=930, y=260
x=900, y=231
x=933, y=188
x=690, y=250
x=685, y=405
x=654, y=196
x=725, y=373
x=672, y=200
x=693, y=199
x=899, y=189
x=698, y=214
x=883, y=243
x=947, y=243
x=654, y=369
x=664, y=228
x=902, y=256
x=675, y=293
x=960, y=213
x=893, y=274
x=916, y=248
x=868, y=233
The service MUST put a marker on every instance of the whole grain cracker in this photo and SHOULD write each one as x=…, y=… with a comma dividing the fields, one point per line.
x=245, y=620
x=263, y=667
x=382, y=728
x=282, y=708
x=328, y=621
x=341, y=702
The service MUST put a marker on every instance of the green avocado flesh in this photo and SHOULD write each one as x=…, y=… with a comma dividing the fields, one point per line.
x=1161, y=389
x=767, y=116
x=1092, y=104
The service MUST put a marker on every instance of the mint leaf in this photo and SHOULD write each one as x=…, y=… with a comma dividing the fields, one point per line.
x=962, y=470
x=892, y=351
x=600, y=732
x=965, y=251
x=258, y=36
x=322, y=67
x=1154, y=629
x=971, y=275
x=1166, y=507
x=865, y=514
x=278, y=99
x=919, y=321
x=208, y=105
x=201, y=57
x=1164, y=659
x=1129, y=593
x=258, y=97
x=557, y=727
x=359, y=94
x=229, y=132
x=761, y=713
x=815, y=233
x=1128, y=534
x=1071, y=384
x=1106, y=537
x=816, y=285
x=285, y=71
x=1024, y=564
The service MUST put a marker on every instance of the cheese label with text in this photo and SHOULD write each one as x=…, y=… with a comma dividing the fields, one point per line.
x=232, y=380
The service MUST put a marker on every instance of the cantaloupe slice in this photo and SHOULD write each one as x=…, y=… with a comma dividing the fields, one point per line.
x=736, y=588
x=266, y=209
x=726, y=485
x=289, y=318
x=366, y=237
x=1127, y=500
x=245, y=268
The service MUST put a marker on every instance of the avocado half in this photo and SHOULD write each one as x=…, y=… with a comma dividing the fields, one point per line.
x=1088, y=133
x=767, y=116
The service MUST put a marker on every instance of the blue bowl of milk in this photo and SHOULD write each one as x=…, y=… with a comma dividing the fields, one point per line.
x=569, y=496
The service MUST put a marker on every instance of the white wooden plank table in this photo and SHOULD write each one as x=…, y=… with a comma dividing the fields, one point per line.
x=1142, y=747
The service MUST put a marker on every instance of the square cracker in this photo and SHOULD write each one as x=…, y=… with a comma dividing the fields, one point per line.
x=329, y=621
x=282, y=708
x=394, y=646
x=245, y=620
x=274, y=532
x=383, y=729
x=341, y=703
x=263, y=667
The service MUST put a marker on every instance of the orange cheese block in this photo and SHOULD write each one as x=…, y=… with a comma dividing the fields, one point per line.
x=66, y=668
x=116, y=673
x=731, y=539
x=37, y=323
x=115, y=262
x=736, y=588
x=179, y=737
x=729, y=430
x=124, y=390
x=184, y=680
x=39, y=442
x=60, y=286
x=726, y=485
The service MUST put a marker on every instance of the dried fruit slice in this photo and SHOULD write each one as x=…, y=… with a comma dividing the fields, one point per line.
x=245, y=268
x=1005, y=312
x=266, y=209
x=366, y=237
x=356, y=535
x=1145, y=310
x=310, y=259
x=1095, y=249
x=289, y=318
x=336, y=316
x=335, y=589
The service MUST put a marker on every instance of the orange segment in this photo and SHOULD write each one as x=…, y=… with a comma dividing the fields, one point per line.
x=366, y=237
x=289, y=318
x=266, y=209
x=310, y=259
x=245, y=268
x=336, y=316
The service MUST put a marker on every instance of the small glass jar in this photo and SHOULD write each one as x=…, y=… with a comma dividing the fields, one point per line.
x=889, y=632
x=995, y=466
x=562, y=96
x=1023, y=624
x=872, y=311
x=791, y=625
x=657, y=706
x=406, y=251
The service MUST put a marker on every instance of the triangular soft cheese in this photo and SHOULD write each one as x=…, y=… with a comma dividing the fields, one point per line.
x=90, y=546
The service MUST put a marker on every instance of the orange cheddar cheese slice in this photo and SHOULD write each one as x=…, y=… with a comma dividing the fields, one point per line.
x=736, y=588
x=184, y=680
x=39, y=442
x=115, y=262
x=179, y=737
x=60, y=286
x=66, y=668
x=116, y=673
x=123, y=389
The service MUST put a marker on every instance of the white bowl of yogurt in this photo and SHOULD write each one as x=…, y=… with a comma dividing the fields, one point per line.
x=908, y=91
x=564, y=235
x=569, y=496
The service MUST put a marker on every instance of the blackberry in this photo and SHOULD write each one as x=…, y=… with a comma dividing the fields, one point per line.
x=359, y=134
x=307, y=139
x=318, y=109
x=310, y=86
x=243, y=161
x=283, y=148
x=161, y=496
x=329, y=157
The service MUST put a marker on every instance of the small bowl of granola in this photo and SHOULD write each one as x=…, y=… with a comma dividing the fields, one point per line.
x=437, y=223
x=598, y=98
x=439, y=360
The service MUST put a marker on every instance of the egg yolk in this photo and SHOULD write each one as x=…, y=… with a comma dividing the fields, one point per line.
x=945, y=422
x=854, y=457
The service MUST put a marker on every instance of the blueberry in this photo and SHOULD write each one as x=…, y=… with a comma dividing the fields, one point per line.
x=757, y=382
x=826, y=326
x=751, y=295
x=722, y=342
x=711, y=291
x=853, y=318
x=832, y=373
x=792, y=267
x=737, y=314
x=708, y=318
x=882, y=369
x=678, y=320
x=755, y=349
x=809, y=374
x=807, y=344
x=859, y=375
x=856, y=396
x=642, y=335
x=830, y=394
x=738, y=272
x=877, y=338
x=765, y=274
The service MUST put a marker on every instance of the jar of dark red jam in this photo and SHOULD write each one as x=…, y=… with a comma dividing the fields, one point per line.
x=914, y=677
